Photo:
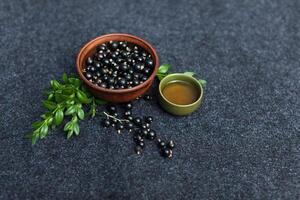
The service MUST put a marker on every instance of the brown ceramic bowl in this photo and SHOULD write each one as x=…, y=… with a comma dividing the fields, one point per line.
x=118, y=95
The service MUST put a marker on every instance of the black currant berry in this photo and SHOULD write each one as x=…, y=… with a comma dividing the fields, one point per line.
x=161, y=144
x=147, y=97
x=138, y=138
x=151, y=135
x=106, y=123
x=149, y=119
x=137, y=121
x=127, y=113
x=129, y=117
x=166, y=153
x=129, y=125
x=128, y=106
x=119, y=126
x=111, y=108
x=138, y=149
x=171, y=144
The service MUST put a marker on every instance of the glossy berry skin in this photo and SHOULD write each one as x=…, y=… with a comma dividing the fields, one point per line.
x=129, y=117
x=144, y=133
x=128, y=113
x=137, y=121
x=88, y=75
x=149, y=119
x=147, y=97
x=144, y=126
x=138, y=138
x=129, y=125
x=171, y=144
x=106, y=123
x=138, y=149
x=141, y=144
x=151, y=135
x=158, y=140
x=111, y=108
x=166, y=153
x=128, y=106
x=89, y=60
x=119, y=126
x=161, y=144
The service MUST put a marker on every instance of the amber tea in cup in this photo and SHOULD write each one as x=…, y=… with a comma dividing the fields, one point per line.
x=181, y=92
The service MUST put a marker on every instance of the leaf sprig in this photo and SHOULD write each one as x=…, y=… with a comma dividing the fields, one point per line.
x=65, y=100
x=163, y=72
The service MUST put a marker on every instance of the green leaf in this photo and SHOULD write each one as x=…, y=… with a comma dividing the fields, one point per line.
x=34, y=138
x=76, y=129
x=74, y=119
x=70, y=133
x=82, y=97
x=100, y=101
x=75, y=81
x=189, y=73
x=44, y=131
x=44, y=116
x=55, y=84
x=92, y=111
x=80, y=113
x=71, y=110
x=50, y=97
x=164, y=68
x=202, y=82
x=70, y=102
x=68, y=126
x=50, y=105
x=37, y=124
x=65, y=78
x=68, y=91
x=49, y=121
x=160, y=76
x=59, y=116
x=60, y=97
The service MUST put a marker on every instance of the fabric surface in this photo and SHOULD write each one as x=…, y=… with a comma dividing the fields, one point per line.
x=243, y=143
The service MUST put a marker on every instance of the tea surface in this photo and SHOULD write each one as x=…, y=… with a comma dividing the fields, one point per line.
x=180, y=92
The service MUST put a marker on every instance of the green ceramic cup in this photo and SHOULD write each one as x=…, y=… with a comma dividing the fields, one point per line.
x=177, y=109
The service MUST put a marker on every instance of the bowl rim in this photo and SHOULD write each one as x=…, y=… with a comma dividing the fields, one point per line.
x=181, y=75
x=118, y=91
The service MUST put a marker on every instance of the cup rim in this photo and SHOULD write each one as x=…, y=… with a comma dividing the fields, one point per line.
x=117, y=91
x=179, y=105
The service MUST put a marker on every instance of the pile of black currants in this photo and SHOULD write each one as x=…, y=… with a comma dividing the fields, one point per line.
x=139, y=127
x=118, y=65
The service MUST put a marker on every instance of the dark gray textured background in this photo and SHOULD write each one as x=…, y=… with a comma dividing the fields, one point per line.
x=242, y=144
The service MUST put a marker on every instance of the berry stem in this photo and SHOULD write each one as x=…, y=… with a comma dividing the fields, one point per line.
x=110, y=116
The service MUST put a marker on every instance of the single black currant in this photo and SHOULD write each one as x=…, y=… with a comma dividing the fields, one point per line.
x=106, y=123
x=128, y=106
x=151, y=135
x=166, y=153
x=171, y=144
x=129, y=125
x=137, y=121
x=147, y=97
x=111, y=108
x=149, y=119
x=161, y=144
x=128, y=113
x=138, y=149
x=119, y=126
